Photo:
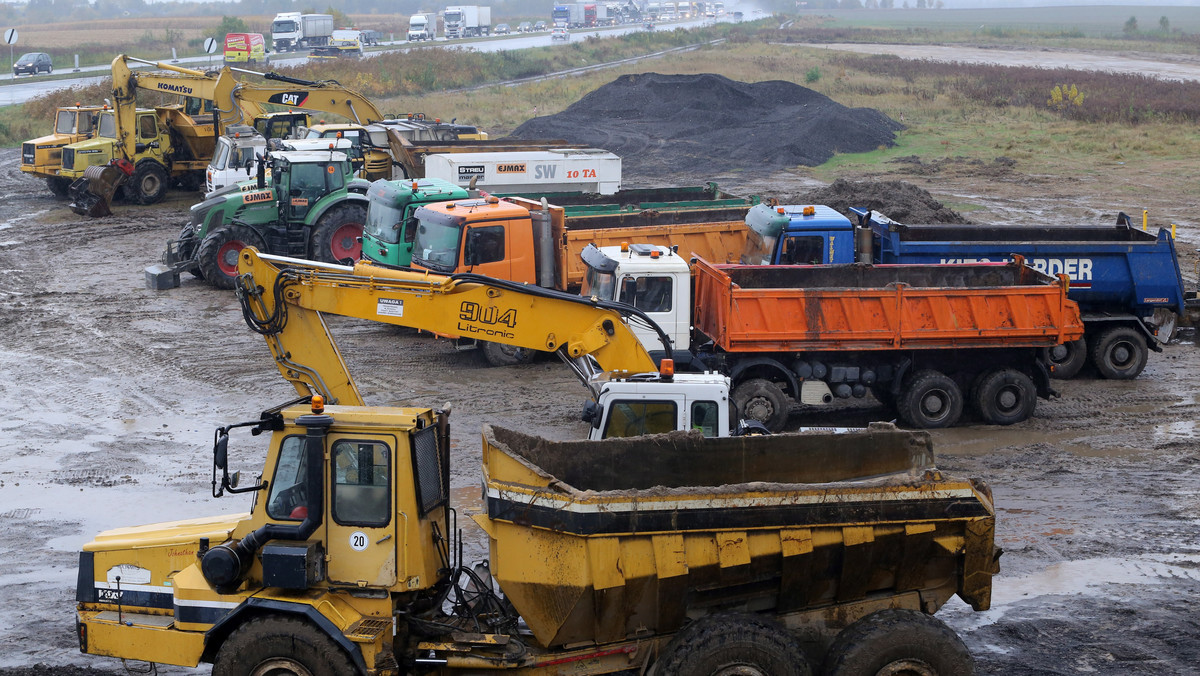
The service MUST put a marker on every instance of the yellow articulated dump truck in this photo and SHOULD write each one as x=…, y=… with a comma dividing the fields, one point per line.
x=667, y=554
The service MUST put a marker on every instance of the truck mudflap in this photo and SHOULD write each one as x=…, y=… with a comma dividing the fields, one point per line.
x=805, y=524
x=92, y=193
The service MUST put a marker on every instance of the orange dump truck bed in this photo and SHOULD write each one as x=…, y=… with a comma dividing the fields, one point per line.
x=749, y=308
x=712, y=234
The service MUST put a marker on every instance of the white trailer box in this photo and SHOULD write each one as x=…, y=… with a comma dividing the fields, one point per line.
x=558, y=170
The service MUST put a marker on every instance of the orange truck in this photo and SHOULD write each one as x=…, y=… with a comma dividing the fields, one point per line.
x=245, y=48
x=928, y=340
x=536, y=242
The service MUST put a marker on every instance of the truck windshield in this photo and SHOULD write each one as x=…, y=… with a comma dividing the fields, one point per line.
x=453, y=16
x=760, y=242
x=384, y=222
x=602, y=285
x=108, y=125
x=283, y=27
x=436, y=242
x=221, y=154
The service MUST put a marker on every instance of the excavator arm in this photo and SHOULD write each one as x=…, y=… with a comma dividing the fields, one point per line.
x=284, y=300
x=326, y=96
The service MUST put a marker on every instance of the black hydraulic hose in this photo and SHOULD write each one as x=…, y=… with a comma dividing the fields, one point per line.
x=623, y=309
x=272, y=75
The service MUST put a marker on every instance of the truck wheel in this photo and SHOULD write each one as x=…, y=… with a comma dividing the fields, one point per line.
x=148, y=183
x=279, y=646
x=218, y=253
x=497, y=354
x=762, y=400
x=1119, y=353
x=337, y=235
x=1067, y=359
x=930, y=400
x=1005, y=396
x=897, y=641
x=58, y=185
x=745, y=645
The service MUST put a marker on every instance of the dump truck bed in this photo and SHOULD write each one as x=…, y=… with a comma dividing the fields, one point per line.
x=598, y=541
x=1112, y=266
x=637, y=199
x=773, y=308
x=714, y=233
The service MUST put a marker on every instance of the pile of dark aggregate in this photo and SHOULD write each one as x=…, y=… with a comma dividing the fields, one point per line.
x=684, y=123
x=900, y=201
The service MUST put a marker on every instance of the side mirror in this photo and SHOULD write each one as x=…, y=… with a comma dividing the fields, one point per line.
x=592, y=414
x=221, y=452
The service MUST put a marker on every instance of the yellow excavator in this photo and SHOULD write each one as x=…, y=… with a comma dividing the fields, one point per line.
x=284, y=299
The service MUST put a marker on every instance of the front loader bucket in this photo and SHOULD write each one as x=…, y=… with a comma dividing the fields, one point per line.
x=91, y=194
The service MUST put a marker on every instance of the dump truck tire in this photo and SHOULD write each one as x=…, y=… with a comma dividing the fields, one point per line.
x=1005, y=396
x=930, y=400
x=58, y=185
x=762, y=400
x=148, y=183
x=280, y=645
x=498, y=354
x=733, y=644
x=218, y=253
x=336, y=237
x=1067, y=359
x=896, y=641
x=1119, y=353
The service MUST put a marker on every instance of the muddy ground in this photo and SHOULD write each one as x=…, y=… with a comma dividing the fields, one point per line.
x=112, y=392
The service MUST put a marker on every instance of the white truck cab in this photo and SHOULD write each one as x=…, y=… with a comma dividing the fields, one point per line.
x=654, y=279
x=234, y=157
x=656, y=404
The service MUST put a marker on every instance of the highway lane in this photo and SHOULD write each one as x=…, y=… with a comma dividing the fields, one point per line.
x=21, y=89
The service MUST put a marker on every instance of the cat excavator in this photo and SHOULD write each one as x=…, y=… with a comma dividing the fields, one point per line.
x=284, y=300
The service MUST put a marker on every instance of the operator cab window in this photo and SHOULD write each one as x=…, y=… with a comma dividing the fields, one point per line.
x=648, y=294
x=485, y=245
x=85, y=123
x=635, y=418
x=65, y=124
x=704, y=417
x=147, y=127
x=802, y=250
x=361, y=483
x=287, y=499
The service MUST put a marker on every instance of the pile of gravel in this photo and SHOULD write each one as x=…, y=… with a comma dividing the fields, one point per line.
x=902, y=202
x=667, y=124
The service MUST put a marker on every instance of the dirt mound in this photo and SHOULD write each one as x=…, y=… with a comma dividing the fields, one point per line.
x=899, y=201
x=676, y=123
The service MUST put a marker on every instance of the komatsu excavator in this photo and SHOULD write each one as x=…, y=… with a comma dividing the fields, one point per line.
x=284, y=300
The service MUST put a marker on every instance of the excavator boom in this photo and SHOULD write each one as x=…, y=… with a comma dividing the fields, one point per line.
x=284, y=299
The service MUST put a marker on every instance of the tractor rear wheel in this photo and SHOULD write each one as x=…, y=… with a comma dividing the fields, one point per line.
x=218, y=253
x=337, y=236
x=271, y=645
x=148, y=185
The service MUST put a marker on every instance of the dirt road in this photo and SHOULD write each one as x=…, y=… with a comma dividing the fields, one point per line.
x=112, y=392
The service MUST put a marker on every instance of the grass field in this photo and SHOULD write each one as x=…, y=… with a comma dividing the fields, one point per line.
x=1092, y=20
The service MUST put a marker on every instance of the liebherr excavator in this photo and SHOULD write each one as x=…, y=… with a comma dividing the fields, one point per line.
x=284, y=299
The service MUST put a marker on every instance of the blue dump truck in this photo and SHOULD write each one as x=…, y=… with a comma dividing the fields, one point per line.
x=1127, y=281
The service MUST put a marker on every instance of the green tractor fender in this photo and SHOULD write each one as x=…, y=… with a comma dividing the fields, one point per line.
x=334, y=200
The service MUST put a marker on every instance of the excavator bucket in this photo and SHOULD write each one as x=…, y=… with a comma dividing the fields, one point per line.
x=92, y=194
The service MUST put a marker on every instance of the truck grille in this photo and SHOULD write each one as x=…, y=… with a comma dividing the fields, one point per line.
x=27, y=153
x=68, y=158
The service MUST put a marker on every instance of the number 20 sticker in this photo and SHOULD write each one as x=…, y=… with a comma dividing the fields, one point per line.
x=358, y=541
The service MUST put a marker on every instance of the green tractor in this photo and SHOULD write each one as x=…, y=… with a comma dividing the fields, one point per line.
x=311, y=206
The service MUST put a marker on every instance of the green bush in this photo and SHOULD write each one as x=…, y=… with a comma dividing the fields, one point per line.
x=812, y=75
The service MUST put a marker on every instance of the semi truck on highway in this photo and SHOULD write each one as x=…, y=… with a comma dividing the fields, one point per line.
x=291, y=31
x=467, y=21
x=1127, y=281
x=927, y=340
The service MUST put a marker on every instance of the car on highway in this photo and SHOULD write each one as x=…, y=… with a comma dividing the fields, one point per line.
x=33, y=63
x=539, y=26
x=524, y=27
x=560, y=33
x=649, y=25
x=502, y=29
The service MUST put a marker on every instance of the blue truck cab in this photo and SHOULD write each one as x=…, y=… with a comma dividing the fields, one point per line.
x=1127, y=281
